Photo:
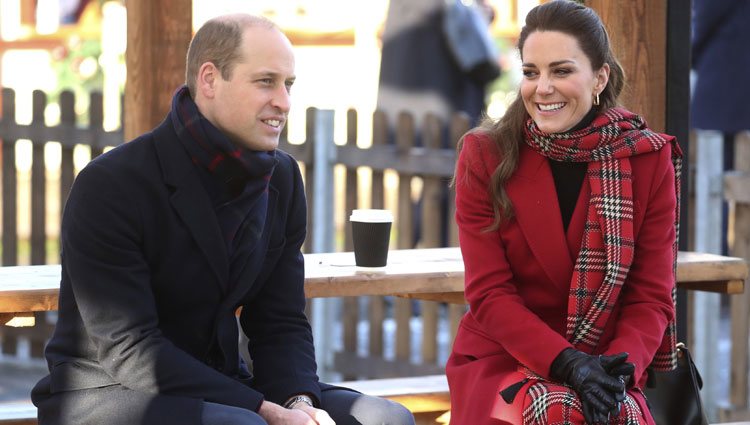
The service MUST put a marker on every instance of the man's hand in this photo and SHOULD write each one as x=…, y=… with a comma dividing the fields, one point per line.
x=300, y=414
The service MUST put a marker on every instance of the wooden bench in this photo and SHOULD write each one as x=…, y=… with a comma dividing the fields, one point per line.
x=18, y=413
x=420, y=394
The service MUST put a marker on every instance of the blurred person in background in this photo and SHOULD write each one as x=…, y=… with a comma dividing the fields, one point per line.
x=720, y=59
x=424, y=69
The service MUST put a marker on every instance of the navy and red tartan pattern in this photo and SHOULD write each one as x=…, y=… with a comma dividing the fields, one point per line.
x=608, y=241
x=244, y=174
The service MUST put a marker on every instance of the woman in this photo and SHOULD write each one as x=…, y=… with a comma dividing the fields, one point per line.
x=567, y=212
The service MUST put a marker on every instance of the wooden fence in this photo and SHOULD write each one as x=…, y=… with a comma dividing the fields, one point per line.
x=393, y=148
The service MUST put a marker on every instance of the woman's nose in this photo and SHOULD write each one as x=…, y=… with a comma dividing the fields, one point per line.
x=544, y=85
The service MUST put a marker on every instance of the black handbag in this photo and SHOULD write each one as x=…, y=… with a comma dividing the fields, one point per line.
x=674, y=397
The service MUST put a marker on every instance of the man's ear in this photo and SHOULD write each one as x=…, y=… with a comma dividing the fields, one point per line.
x=205, y=81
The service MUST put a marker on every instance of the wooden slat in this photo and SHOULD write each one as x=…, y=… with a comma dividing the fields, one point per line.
x=350, y=306
x=433, y=194
x=405, y=137
x=67, y=134
x=459, y=125
x=10, y=185
x=376, y=317
x=436, y=162
x=737, y=186
x=38, y=185
x=67, y=167
x=96, y=119
x=376, y=306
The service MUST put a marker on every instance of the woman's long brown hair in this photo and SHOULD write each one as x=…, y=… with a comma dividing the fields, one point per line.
x=586, y=27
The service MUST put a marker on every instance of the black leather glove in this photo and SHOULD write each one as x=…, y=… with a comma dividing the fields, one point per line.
x=599, y=392
x=617, y=366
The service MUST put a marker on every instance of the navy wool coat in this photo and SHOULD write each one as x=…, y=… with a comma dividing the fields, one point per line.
x=147, y=328
x=721, y=58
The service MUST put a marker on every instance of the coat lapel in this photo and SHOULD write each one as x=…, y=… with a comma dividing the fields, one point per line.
x=190, y=201
x=532, y=193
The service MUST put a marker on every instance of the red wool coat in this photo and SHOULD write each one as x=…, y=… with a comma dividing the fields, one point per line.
x=517, y=277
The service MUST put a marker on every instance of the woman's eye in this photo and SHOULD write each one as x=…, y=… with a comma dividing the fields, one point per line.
x=529, y=73
x=562, y=71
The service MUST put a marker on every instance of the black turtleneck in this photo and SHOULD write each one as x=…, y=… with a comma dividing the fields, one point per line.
x=568, y=177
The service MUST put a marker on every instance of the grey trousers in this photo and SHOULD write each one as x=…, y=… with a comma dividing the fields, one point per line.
x=345, y=408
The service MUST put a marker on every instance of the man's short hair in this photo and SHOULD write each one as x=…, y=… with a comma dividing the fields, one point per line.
x=218, y=41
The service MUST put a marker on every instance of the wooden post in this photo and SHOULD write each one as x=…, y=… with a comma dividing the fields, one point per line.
x=737, y=193
x=638, y=33
x=159, y=33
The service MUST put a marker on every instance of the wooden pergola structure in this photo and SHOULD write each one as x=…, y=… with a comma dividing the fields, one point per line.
x=651, y=39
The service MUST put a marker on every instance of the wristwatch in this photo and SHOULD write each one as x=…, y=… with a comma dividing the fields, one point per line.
x=298, y=399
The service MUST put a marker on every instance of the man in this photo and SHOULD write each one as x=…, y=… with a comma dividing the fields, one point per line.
x=163, y=238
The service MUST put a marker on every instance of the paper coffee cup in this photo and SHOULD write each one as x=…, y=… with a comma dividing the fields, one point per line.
x=371, y=233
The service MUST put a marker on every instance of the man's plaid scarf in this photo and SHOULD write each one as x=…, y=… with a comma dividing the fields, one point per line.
x=607, y=246
x=242, y=174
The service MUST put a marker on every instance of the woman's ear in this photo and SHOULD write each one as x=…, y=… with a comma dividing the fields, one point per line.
x=602, y=77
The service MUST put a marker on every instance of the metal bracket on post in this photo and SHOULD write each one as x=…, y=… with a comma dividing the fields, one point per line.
x=323, y=309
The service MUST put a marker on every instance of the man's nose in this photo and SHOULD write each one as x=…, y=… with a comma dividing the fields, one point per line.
x=282, y=99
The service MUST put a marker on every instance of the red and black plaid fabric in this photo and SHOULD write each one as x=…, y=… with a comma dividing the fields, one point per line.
x=243, y=174
x=606, y=250
x=553, y=404
x=607, y=246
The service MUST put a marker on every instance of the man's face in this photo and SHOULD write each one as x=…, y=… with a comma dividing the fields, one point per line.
x=251, y=107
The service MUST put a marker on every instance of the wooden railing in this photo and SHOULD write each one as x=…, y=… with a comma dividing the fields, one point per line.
x=394, y=150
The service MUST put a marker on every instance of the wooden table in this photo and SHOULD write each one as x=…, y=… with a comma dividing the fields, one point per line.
x=431, y=274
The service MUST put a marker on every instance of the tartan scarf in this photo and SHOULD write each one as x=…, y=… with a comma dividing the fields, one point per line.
x=607, y=246
x=243, y=175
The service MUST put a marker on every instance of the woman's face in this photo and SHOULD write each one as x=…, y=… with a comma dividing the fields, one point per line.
x=558, y=85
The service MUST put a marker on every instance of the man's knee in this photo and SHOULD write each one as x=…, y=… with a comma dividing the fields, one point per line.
x=369, y=410
x=219, y=414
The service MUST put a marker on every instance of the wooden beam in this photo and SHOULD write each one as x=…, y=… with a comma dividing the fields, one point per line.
x=638, y=34
x=159, y=33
